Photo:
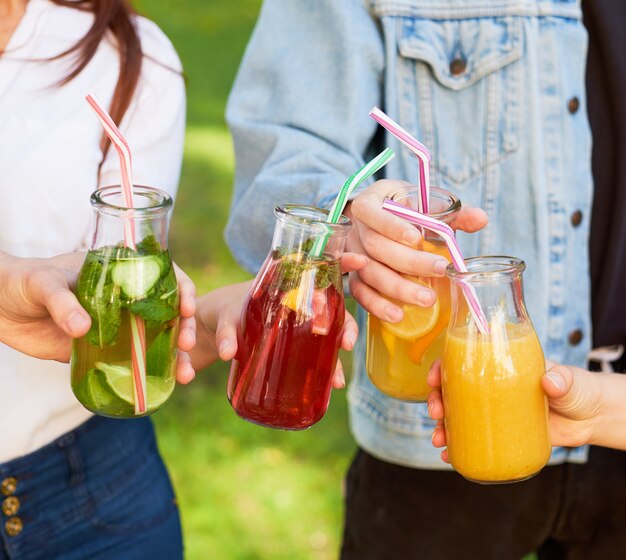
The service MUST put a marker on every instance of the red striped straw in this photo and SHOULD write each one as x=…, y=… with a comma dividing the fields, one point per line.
x=137, y=327
x=421, y=151
x=445, y=231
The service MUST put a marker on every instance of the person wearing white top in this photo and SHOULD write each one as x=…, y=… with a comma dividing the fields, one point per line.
x=73, y=485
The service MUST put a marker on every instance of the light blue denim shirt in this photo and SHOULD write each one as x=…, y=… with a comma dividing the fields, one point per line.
x=485, y=85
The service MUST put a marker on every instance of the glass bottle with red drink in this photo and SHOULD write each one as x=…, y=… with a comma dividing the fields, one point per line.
x=291, y=324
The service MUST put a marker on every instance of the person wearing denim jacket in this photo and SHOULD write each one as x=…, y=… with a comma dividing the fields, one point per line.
x=486, y=86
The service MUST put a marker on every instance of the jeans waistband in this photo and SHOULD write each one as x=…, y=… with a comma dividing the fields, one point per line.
x=96, y=432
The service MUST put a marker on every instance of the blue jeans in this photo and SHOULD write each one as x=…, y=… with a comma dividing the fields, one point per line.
x=99, y=491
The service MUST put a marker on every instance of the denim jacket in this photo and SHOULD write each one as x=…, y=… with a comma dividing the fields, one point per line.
x=494, y=89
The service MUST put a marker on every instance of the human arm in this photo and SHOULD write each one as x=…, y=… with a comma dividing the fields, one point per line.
x=295, y=141
x=299, y=122
x=585, y=407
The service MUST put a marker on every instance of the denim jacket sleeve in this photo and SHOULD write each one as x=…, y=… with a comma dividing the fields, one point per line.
x=298, y=112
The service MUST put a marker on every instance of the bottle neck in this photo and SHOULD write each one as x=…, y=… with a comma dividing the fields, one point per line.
x=496, y=283
x=303, y=230
x=147, y=222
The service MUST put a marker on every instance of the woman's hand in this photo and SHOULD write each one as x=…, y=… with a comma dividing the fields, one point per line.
x=40, y=315
x=219, y=313
x=390, y=244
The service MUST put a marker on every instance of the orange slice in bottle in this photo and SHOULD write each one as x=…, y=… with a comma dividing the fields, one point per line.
x=417, y=321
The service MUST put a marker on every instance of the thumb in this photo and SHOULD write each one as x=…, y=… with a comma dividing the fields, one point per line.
x=62, y=305
x=557, y=383
x=572, y=392
x=226, y=336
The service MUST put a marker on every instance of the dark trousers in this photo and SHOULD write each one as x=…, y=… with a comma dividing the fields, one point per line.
x=567, y=511
x=99, y=492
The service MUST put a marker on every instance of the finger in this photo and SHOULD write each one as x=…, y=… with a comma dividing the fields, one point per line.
x=350, y=333
x=434, y=375
x=557, y=381
x=471, y=219
x=407, y=260
x=339, y=380
x=353, y=261
x=226, y=337
x=372, y=301
x=48, y=287
x=367, y=209
x=439, y=435
x=444, y=456
x=389, y=283
x=435, y=405
x=187, y=292
x=187, y=334
x=184, y=370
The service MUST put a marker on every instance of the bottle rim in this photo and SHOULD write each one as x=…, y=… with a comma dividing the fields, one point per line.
x=453, y=201
x=487, y=269
x=148, y=201
x=311, y=216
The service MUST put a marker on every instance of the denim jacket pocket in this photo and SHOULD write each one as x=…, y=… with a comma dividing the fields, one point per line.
x=461, y=73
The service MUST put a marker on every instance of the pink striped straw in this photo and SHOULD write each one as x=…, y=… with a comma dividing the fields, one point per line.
x=421, y=151
x=137, y=327
x=445, y=231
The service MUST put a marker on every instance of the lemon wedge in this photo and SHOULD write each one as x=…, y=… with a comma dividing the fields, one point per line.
x=417, y=321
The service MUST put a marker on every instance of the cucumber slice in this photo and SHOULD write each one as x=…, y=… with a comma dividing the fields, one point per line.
x=136, y=277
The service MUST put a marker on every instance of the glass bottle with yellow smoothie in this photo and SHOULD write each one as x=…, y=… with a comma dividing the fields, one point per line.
x=399, y=355
x=496, y=413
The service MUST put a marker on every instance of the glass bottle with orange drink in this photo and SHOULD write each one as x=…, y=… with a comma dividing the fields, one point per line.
x=496, y=413
x=399, y=355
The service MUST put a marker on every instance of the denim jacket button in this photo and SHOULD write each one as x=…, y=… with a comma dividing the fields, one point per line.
x=576, y=218
x=458, y=66
x=573, y=105
x=575, y=337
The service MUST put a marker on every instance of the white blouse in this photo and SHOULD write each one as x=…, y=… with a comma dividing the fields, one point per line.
x=49, y=157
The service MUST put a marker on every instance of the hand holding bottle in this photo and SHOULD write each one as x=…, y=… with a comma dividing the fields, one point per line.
x=585, y=407
x=39, y=313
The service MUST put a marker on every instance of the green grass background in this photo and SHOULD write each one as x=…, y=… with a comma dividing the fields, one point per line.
x=245, y=492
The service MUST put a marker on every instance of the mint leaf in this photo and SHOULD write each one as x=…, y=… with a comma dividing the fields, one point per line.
x=161, y=354
x=101, y=299
x=149, y=246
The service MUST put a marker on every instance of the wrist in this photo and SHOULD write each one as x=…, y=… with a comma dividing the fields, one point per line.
x=608, y=425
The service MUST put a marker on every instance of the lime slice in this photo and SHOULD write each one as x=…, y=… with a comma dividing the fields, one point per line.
x=119, y=381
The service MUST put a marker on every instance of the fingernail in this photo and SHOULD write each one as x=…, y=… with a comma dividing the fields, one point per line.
x=439, y=268
x=556, y=380
x=393, y=314
x=76, y=321
x=430, y=409
x=426, y=298
x=342, y=379
x=411, y=237
x=351, y=339
x=225, y=345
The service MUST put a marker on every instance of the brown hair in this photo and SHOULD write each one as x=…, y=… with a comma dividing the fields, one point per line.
x=114, y=16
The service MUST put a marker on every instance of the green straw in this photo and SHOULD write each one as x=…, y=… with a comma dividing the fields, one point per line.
x=351, y=183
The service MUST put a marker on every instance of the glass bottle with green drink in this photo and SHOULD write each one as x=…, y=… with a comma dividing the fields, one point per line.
x=125, y=365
